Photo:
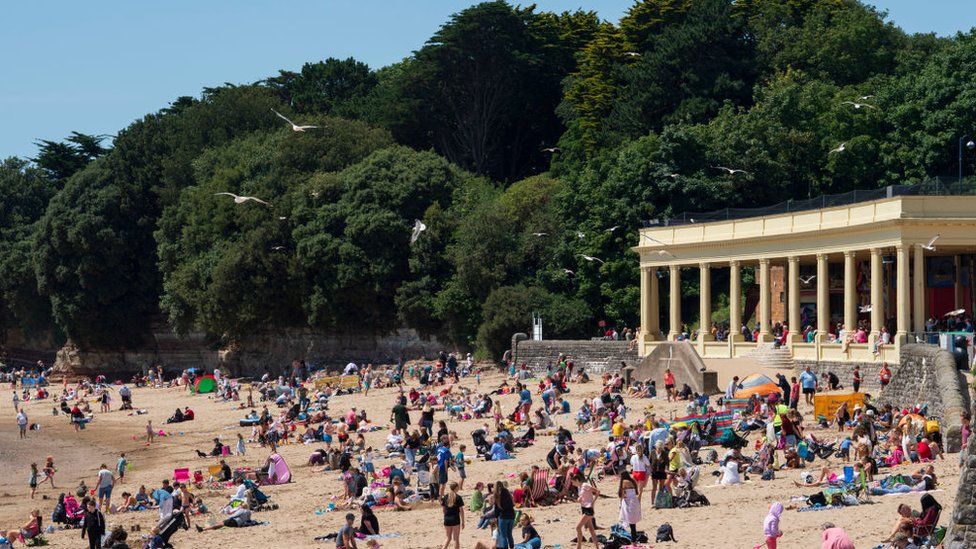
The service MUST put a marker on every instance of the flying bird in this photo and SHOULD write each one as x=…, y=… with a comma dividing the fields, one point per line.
x=730, y=170
x=540, y=234
x=674, y=175
x=418, y=227
x=570, y=273
x=858, y=105
x=632, y=54
x=808, y=279
x=552, y=149
x=590, y=258
x=840, y=148
x=277, y=248
x=930, y=246
x=282, y=218
x=865, y=97
x=243, y=199
x=294, y=127
x=865, y=308
x=614, y=228
x=580, y=235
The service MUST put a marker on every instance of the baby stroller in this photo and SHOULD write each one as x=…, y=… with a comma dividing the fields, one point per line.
x=167, y=527
x=685, y=494
x=731, y=440
x=481, y=443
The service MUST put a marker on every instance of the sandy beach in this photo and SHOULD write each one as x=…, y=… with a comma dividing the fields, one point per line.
x=733, y=520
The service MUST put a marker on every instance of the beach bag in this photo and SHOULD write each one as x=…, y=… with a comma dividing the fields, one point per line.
x=665, y=533
x=663, y=500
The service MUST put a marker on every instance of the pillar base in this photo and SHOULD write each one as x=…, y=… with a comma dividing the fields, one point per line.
x=792, y=338
x=706, y=337
x=673, y=336
x=764, y=338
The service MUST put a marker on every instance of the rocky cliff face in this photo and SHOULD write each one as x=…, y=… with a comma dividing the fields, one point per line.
x=273, y=351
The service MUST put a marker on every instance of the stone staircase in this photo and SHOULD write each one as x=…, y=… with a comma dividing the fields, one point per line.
x=596, y=356
x=771, y=357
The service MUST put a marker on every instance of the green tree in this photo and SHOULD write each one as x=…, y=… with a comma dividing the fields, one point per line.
x=325, y=87
x=61, y=159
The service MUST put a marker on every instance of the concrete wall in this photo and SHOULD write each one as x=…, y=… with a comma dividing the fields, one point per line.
x=845, y=371
x=596, y=356
x=684, y=362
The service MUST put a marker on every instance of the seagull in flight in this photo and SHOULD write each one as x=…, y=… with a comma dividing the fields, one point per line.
x=277, y=248
x=551, y=150
x=614, y=228
x=418, y=227
x=931, y=245
x=632, y=54
x=730, y=170
x=570, y=273
x=858, y=105
x=674, y=175
x=865, y=308
x=540, y=234
x=865, y=97
x=590, y=258
x=294, y=127
x=808, y=279
x=242, y=199
x=840, y=148
x=580, y=235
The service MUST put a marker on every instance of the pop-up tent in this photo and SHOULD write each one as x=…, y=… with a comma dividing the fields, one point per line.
x=205, y=384
x=756, y=384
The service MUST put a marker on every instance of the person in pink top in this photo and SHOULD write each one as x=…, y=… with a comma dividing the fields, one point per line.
x=587, y=495
x=771, y=525
x=835, y=538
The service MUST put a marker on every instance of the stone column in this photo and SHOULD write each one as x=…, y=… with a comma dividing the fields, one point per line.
x=850, y=291
x=765, y=306
x=654, y=319
x=675, y=296
x=793, y=288
x=918, y=303
x=735, y=301
x=705, y=303
x=823, y=299
x=957, y=286
x=877, y=295
x=902, y=294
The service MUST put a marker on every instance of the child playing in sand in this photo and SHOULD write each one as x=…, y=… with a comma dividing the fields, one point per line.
x=459, y=463
x=49, y=471
x=32, y=480
x=120, y=466
x=241, y=450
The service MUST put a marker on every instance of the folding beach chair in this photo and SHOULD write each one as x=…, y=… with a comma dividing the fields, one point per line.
x=848, y=475
x=214, y=471
x=540, y=487
x=181, y=475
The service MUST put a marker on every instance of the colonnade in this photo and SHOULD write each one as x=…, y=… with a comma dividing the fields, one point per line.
x=905, y=307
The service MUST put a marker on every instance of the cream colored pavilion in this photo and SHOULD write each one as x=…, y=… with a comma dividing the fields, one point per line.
x=898, y=226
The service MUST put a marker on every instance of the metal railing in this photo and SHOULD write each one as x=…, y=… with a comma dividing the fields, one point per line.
x=938, y=186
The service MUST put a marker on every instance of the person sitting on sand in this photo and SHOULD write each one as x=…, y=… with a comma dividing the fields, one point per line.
x=904, y=523
x=30, y=530
x=238, y=519
x=826, y=477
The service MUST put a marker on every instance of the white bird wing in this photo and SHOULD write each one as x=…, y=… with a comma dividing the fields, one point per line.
x=226, y=194
x=730, y=170
x=614, y=228
x=283, y=117
x=934, y=238
x=579, y=234
x=569, y=272
x=307, y=127
x=246, y=198
x=418, y=227
x=840, y=148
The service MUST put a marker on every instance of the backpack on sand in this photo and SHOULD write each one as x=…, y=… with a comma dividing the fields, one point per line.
x=665, y=533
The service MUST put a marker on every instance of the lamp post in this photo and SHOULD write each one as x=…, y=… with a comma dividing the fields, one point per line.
x=970, y=144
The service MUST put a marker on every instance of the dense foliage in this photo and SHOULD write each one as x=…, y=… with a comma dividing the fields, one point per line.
x=522, y=139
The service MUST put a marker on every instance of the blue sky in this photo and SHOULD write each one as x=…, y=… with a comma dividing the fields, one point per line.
x=96, y=66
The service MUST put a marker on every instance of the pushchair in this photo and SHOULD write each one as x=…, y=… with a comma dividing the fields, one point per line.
x=167, y=527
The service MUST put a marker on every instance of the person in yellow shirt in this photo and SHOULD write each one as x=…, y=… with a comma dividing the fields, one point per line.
x=618, y=427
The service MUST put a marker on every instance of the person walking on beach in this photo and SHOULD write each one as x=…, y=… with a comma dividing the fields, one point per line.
x=32, y=480
x=93, y=525
x=505, y=506
x=22, y=423
x=453, y=516
x=104, y=485
x=150, y=434
x=771, y=525
x=587, y=496
x=49, y=471
x=120, y=467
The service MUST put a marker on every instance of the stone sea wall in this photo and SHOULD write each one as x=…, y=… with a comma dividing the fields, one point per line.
x=596, y=356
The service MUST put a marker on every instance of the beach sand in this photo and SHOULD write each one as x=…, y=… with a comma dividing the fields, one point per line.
x=733, y=520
